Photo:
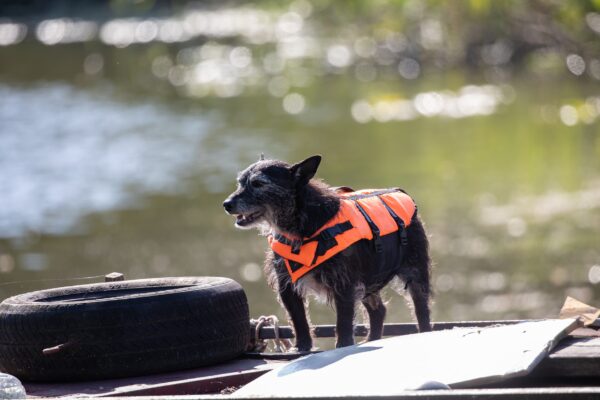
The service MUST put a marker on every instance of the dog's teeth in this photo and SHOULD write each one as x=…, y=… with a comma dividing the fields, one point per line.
x=246, y=219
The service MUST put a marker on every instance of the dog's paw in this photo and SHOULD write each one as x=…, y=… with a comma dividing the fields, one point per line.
x=303, y=347
x=344, y=342
x=296, y=350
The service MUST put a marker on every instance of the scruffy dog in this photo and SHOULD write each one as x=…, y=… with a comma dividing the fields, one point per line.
x=285, y=203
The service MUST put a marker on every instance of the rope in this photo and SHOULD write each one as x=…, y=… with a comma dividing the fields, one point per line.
x=259, y=344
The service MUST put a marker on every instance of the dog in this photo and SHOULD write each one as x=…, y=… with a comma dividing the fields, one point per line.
x=286, y=203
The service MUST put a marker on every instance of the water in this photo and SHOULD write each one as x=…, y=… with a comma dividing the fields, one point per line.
x=116, y=153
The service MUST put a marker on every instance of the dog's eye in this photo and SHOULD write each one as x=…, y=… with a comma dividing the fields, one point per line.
x=256, y=183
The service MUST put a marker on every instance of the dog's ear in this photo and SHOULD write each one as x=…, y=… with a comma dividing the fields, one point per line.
x=305, y=170
x=262, y=157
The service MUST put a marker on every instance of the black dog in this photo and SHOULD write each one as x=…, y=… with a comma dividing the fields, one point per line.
x=283, y=201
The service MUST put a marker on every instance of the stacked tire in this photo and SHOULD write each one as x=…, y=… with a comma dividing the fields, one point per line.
x=119, y=329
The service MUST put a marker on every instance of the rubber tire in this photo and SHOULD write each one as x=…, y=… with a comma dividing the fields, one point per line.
x=120, y=329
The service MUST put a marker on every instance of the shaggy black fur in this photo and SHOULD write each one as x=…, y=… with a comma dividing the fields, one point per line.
x=275, y=196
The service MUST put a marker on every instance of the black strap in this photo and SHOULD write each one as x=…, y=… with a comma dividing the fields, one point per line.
x=294, y=244
x=295, y=266
x=282, y=239
x=330, y=232
x=374, y=228
x=399, y=221
x=326, y=238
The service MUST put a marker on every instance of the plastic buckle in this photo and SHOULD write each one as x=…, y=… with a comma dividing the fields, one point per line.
x=377, y=243
x=403, y=238
x=403, y=234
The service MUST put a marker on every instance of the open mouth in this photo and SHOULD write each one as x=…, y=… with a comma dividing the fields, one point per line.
x=247, y=219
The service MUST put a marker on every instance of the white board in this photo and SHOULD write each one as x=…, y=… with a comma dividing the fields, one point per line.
x=421, y=361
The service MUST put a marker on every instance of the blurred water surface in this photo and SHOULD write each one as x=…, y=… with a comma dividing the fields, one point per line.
x=120, y=136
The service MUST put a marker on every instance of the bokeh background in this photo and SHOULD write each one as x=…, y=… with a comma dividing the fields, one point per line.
x=123, y=124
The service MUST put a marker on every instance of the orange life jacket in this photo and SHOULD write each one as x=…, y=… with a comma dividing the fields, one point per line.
x=365, y=214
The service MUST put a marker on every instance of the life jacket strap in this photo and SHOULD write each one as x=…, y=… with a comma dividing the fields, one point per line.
x=294, y=244
x=326, y=238
x=399, y=221
x=374, y=229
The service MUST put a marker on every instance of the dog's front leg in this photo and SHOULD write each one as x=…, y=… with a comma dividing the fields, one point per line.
x=344, y=307
x=294, y=305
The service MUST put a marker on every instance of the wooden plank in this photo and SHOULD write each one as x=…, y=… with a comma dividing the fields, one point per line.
x=578, y=347
x=573, y=357
x=585, y=332
x=462, y=356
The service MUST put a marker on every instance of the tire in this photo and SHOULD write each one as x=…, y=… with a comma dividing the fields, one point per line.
x=120, y=329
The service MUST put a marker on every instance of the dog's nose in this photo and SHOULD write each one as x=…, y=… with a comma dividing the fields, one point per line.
x=228, y=204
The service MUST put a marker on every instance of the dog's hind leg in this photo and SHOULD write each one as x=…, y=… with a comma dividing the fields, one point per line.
x=344, y=306
x=376, y=311
x=415, y=272
x=419, y=290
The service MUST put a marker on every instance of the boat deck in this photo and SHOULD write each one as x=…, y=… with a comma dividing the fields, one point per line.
x=571, y=370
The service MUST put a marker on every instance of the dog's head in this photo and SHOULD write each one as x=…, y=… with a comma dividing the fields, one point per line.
x=266, y=192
